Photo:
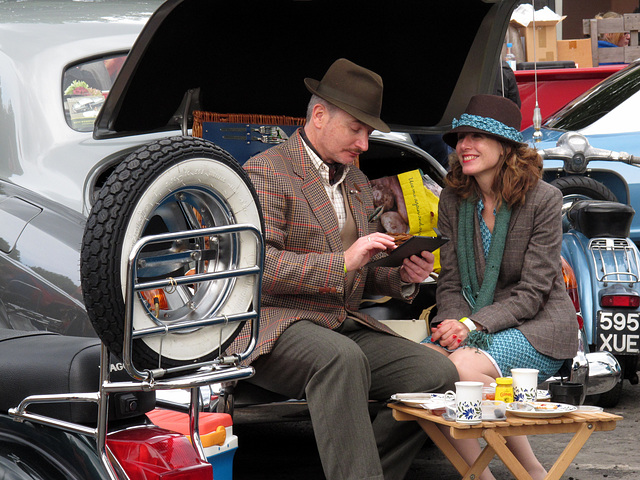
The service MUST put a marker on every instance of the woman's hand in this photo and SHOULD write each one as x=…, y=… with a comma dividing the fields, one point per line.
x=359, y=254
x=416, y=269
x=450, y=333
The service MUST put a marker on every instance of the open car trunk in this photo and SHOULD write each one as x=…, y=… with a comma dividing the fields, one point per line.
x=431, y=55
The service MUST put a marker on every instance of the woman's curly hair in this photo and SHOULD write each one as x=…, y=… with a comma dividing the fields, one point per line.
x=520, y=170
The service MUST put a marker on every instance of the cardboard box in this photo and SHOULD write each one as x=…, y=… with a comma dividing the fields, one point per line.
x=545, y=48
x=579, y=51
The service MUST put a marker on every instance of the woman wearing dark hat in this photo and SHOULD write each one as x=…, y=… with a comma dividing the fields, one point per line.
x=501, y=297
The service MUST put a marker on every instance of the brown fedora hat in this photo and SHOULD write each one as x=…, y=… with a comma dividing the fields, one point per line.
x=489, y=114
x=354, y=89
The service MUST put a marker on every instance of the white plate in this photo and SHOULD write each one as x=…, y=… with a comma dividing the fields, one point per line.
x=590, y=408
x=543, y=410
x=420, y=400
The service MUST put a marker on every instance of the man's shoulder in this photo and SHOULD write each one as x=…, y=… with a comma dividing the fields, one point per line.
x=278, y=153
x=358, y=175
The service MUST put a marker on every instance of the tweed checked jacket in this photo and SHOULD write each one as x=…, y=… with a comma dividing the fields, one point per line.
x=304, y=274
x=530, y=294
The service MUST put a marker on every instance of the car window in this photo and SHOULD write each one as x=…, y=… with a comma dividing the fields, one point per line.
x=84, y=88
x=621, y=119
x=604, y=99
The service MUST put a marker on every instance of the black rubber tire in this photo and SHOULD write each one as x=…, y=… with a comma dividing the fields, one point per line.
x=584, y=186
x=145, y=186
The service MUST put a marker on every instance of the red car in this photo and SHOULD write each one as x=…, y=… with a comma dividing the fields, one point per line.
x=556, y=88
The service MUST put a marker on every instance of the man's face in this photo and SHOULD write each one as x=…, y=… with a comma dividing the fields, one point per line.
x=340, y=137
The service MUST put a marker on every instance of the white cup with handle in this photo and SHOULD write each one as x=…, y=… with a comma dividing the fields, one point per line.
x=466, y=402
x=525, y=384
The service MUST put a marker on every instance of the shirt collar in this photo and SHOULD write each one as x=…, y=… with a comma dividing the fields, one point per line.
x=322, y=167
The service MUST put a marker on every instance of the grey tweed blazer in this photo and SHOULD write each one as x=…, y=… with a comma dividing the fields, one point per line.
x=304, y=262
x=530, y=294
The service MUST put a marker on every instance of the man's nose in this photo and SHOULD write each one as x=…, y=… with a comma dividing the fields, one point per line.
x=362, y=142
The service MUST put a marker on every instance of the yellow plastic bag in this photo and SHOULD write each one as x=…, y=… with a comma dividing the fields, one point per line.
x=422, y=207
x=408, y=203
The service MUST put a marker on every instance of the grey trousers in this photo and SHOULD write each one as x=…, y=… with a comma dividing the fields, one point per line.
x=337, y=372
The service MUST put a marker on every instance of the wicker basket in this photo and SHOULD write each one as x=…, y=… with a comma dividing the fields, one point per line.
x=200, y=117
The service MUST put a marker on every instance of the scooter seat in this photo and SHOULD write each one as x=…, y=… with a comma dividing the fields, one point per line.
x=45, y=363
x=599, y=218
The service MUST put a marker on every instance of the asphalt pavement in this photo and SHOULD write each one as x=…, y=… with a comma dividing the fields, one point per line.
x=287, y=450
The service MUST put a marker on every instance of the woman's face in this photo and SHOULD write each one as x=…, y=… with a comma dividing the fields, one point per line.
x=479, y=156
x=624, y=39
x=619, y=39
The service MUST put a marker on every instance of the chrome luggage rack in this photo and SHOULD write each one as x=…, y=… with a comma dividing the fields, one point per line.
x=615, y=260
x=192, y=376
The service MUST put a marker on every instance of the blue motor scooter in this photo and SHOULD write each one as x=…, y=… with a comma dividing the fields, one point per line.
x=606, y=262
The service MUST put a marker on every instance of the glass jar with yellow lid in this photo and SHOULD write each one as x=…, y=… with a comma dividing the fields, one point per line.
x=504, y=389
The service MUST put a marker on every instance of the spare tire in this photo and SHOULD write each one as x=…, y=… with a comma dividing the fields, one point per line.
x=174, y=184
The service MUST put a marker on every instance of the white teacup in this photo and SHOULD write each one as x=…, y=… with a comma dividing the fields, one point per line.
x=466, y=402
x=525, y=384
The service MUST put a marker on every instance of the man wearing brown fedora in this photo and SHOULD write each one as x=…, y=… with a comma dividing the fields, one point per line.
x=314, y=343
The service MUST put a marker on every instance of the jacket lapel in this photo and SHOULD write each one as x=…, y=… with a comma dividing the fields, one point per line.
x=314, y=192
x=356, y=203
x=479, y=249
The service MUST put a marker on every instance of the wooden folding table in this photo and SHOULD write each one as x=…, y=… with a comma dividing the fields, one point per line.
x=581, y=424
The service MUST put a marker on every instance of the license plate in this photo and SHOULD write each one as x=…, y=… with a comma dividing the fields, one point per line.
x=618, y=332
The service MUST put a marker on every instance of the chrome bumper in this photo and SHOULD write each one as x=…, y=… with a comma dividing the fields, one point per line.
x=604, y=372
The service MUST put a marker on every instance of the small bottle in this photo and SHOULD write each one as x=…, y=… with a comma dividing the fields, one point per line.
x=510, y=58
x=504, y=389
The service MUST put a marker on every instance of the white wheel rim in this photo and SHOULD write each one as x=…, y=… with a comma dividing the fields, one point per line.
x=198, y=180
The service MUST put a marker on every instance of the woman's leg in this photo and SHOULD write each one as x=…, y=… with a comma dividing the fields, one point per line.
x=463, y=359
x=474, y=365
x=469, y=449
x=521, y=448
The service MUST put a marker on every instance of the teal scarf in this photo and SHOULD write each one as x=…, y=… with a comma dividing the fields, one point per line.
x=479, y=296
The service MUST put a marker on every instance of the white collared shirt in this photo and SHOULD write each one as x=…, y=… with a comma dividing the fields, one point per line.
x=334, y=192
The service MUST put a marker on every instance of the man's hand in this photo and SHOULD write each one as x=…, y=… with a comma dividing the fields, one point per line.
x=416, y=269
x=359, y=254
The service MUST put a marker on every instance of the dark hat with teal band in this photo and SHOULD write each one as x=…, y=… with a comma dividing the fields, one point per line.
x=489, y=114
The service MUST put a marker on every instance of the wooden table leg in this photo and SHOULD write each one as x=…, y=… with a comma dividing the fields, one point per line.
x=571, y=450
x=460, y=464
x=443, y=443
x=481, y=463
x=498, y=443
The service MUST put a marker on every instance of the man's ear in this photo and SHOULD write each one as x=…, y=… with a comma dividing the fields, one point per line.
x=319, y=115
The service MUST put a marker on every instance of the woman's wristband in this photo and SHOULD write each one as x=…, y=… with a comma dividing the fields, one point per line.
x=468, y=323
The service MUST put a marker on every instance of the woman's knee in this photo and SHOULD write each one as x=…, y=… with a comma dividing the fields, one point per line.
x=471, y=362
